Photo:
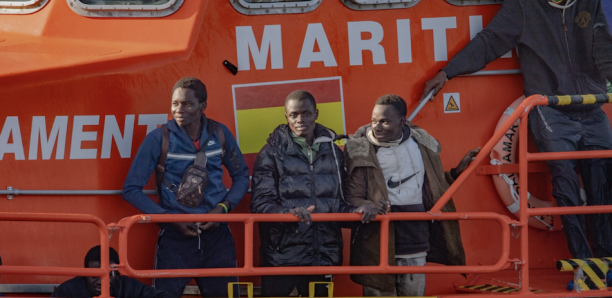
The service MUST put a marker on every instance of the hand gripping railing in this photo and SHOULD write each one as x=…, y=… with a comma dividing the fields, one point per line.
x=102, y=272
x=524, y=158
x=249, y=270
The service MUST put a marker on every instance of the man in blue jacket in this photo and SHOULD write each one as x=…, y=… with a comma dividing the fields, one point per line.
x=565, y=48
x=188, y=245
x=120, y=286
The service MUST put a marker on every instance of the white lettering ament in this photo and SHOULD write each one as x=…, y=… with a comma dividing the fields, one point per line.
x=83, y=130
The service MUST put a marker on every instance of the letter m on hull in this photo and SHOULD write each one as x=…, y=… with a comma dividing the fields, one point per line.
x=271, y=41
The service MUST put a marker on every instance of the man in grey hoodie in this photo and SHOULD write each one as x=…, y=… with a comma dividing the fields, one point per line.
x=564, y=48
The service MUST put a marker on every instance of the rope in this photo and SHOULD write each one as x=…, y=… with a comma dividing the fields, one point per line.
x=515, y=196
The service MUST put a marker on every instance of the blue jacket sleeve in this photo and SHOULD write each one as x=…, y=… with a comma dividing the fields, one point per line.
x=499, y=37
x=142, y=167
x=237, y=169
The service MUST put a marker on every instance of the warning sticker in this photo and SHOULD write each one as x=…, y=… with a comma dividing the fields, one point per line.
x=452, y=103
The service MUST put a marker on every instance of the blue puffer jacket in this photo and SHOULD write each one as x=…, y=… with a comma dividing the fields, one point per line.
x=181, y=154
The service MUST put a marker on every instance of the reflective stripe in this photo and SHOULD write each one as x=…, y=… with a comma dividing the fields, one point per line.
x=193, y=156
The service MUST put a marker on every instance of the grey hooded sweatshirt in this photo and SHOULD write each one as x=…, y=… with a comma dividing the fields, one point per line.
x=561, y=51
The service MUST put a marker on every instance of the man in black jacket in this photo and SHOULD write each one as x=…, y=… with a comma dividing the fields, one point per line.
x=300, y=171
x=564, y=48
x=121, y=286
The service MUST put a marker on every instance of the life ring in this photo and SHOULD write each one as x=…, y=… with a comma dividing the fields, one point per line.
x=507, y=185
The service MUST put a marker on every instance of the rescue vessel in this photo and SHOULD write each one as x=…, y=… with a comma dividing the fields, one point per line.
x=83, y=81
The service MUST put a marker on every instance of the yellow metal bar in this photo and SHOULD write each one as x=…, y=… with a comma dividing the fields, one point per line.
x=330, y=288
x=564, y=100
x=230, y=289
x=588, y=99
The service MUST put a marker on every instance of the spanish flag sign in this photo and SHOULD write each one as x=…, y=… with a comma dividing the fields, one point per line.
x=260, y=108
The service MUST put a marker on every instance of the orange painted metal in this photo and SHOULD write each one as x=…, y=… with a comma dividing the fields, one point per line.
x=102, y=272
x=248, y=269
x=57, y=63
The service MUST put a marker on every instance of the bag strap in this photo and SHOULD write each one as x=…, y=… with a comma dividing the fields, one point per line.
x=161, y=161
x=220, y=134
x=211, y=126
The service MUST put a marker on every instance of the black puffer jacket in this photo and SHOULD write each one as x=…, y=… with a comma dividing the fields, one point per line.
x=283, y=179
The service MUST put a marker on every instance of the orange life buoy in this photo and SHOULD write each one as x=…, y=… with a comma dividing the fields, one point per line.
x=507, y=185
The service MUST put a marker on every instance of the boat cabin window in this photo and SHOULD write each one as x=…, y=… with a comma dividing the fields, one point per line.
x=125, y=8
x=21, y=6
x=473, y=2
x=264, y=7
x=379, y=4
x=124, y=2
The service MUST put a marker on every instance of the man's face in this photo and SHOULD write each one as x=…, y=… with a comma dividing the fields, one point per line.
x=301, y=116
x=186, y=109
x=386, y=123
x=94, y=283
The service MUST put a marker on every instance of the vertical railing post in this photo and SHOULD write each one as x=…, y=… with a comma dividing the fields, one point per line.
x=524, y=214
x=248, y=244
x=384, y=242
x=104, y=262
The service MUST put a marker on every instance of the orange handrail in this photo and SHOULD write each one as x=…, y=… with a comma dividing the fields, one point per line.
x=383, y=268
x=249, y=219
x=102, y=272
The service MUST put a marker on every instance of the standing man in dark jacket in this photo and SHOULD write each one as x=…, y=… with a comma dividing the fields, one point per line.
x=396, y=164
x=189, y=245
x=300, y=171
x=564, y=48
x=120, y=286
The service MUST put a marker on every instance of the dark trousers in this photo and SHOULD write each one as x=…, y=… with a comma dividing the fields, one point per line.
x=212, y=249
x=282, y=285
x=556, y=131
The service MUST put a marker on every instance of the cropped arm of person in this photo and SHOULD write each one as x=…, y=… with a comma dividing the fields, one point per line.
x=602, y=44
x=133, y=288
x=234, y=162
x=499, y=37
x=265, y=197
x=463, y=164
x=368, y=211
x=140, y=171
x=356, y=194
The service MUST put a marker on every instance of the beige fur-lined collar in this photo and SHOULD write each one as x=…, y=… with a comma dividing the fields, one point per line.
x=358, y=144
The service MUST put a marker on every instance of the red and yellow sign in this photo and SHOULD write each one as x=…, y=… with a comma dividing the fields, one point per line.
x=260, y=108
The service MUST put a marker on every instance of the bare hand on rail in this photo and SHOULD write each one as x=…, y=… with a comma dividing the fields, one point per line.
x=383, y=207
x=436, y=82
x=467, y=159
x=369, y=212
x=303, y=213
x=188, y=229
x=212, y=225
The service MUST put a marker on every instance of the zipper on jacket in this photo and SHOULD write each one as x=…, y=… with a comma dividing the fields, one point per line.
x=569, y=55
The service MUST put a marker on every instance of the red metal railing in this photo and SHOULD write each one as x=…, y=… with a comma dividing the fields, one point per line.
x=524, y=158
x=249, y=270
x=102, y=272
x=383, y=268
